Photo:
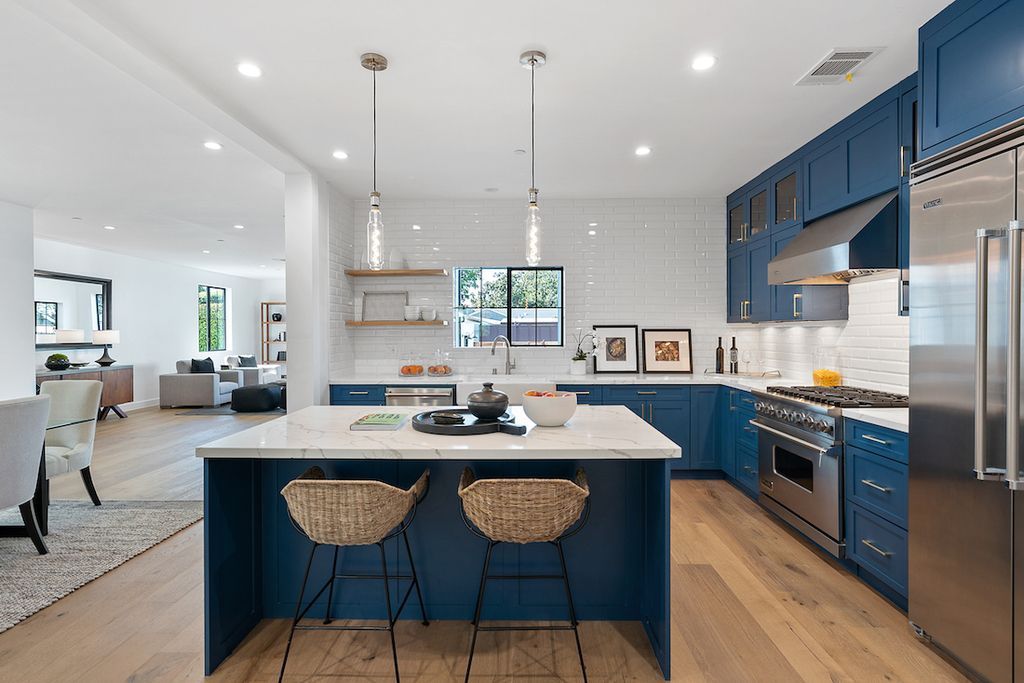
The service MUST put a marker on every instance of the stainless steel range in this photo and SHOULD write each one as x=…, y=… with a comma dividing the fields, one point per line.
x=800, y=454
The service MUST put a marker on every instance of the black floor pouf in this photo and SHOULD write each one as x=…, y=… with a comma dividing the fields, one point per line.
x=259, y=398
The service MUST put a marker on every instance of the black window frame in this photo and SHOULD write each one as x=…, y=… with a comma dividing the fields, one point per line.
x=56, y=316
x=508, y=303
x=206, y=348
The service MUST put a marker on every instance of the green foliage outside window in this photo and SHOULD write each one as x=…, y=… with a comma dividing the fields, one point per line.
x=212, y=318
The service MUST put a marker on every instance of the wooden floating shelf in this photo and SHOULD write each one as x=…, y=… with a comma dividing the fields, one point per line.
x=407, y=272
x=396, y=323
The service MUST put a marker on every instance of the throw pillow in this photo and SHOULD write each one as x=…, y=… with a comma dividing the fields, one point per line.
x=203, y=366
x=247, y=361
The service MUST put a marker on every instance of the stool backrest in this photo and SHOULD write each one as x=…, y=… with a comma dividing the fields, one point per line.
x=523, y=510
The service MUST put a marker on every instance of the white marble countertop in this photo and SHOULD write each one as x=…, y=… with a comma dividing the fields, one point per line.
x=893, y=418
x=734, y=381
x=322, y=432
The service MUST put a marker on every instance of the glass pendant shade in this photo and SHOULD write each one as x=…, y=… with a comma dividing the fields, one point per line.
x=375, y=234
x=533, y=226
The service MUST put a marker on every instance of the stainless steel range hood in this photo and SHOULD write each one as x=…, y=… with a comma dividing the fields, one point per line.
x=833, y=250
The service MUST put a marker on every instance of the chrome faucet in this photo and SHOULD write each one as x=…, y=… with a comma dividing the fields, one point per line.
x=510, y=362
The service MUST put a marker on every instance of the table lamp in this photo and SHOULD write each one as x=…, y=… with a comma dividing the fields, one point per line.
x=70, y=336
x=106, y=337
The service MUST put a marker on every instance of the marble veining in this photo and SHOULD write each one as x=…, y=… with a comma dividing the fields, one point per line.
x=893, y=418
x=322, y=432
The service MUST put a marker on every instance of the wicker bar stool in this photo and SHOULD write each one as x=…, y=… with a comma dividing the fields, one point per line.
x=341, y=513
x=524, y=511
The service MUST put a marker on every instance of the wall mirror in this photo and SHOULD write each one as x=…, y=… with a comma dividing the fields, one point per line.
x=69, y=308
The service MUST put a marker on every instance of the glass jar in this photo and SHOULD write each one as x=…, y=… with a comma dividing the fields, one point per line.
x=825, y=372
x=442, y=365
x=412, y=366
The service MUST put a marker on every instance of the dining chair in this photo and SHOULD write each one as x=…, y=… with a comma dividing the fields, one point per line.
x=22, y=429
x=69, y=449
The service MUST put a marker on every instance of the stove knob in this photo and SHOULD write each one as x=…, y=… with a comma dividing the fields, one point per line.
x=759, y=407
x=823, y=426
x=808, y=421
x=782, y=414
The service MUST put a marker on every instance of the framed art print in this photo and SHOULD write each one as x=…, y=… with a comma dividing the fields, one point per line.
x=617, y=349
x=668, y=351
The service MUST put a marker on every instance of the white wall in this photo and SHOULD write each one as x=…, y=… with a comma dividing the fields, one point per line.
x=17, y=342
x=154, y=305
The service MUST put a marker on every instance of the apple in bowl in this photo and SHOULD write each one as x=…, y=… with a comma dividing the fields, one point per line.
x=549, y=408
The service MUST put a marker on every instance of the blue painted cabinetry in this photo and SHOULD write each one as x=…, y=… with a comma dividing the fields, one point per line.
x=705, y=407
x=876, y=506
x=971, y=64
x=357, y=395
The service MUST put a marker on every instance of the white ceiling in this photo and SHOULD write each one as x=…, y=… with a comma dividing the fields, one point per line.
x=87, y=138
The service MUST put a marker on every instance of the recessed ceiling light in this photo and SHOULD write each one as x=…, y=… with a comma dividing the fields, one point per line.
x=437, y=248
x=249, y=69
x=206, y=251
x=703, y=62
x=239, y=227
x=642, y=151
x=340, y=154
x=592, y=232
x=109, y=227
x=263, y=265
x=212, y=144
x=416, y=227
x=593, y=225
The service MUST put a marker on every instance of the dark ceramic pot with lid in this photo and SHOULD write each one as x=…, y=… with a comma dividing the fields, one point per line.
x=487, y=404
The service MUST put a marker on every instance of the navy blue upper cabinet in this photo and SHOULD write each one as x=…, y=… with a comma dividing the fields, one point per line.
x=972, y=71
x=786, y=205
x=910, y=146
x=737, y=221
x=787, y=300
x=757, y=213
x=759, y=306
x=859, y=162
x=739, y=286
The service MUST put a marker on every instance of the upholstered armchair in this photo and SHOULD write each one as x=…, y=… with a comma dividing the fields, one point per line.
x=262, y=373
x=22, y=426
x=69, y=449
x=206, y=389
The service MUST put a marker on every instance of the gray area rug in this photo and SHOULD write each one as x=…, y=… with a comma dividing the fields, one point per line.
x=224, y=410
x=85, y=542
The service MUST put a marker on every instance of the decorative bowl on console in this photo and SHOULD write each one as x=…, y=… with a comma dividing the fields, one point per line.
x=57, y=361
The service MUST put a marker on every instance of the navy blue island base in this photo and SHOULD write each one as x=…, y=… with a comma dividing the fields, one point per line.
x=618, y=564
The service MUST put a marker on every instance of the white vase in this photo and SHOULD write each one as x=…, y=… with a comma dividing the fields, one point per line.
x=577, y=367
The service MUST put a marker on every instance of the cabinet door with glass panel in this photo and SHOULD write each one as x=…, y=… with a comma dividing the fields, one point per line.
x=737, y=215
x=757, y=213
x=786, y=204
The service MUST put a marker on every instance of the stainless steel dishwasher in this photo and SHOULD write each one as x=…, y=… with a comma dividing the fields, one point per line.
x=419, y=396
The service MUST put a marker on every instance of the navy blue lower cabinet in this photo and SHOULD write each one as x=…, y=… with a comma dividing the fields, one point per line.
x=746, y=470
x=971, y=71
x=705, y=402
x=727, y=437
x=877, y=546
x=586, y=394
x=357, y=395
x=672, y=418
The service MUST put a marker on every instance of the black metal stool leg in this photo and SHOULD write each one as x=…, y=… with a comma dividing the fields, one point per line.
x=298, y=611
x=572, y=608
x=415, y=579
x=479, y=606
x=387, y=598
x=330, y=591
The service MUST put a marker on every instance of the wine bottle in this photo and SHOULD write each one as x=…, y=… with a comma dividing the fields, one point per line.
x=719, y=358
x=734, y=358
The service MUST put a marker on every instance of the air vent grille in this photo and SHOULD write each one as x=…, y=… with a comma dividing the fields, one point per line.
x=837, y=65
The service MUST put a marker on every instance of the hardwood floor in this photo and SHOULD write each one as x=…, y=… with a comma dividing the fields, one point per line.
x=750, y=601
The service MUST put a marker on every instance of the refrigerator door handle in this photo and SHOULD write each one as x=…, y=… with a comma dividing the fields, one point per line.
x=981, y=470
x=1013, y=478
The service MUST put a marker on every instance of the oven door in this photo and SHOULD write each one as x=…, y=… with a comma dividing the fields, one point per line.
x=804, y=480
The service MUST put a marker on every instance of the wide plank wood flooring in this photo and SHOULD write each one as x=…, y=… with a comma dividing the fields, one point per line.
x=750, y=602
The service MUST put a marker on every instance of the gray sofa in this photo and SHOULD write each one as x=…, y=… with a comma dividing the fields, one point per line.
x=207, y=389
x=261, y=374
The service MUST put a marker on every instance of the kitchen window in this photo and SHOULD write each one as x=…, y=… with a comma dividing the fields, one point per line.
x=523, y=304
x=213, y=318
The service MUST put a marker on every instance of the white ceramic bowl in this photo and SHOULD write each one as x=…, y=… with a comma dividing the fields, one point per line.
x=550, y=411
x=428, y=314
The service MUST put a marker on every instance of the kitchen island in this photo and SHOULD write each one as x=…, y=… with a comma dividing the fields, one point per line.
x=618, y=563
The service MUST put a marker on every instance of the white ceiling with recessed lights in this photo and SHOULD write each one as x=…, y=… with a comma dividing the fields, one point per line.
x=81, y=135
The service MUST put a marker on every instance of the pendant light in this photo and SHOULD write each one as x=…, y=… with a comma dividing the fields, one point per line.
x=532, y=60
x=375, y=224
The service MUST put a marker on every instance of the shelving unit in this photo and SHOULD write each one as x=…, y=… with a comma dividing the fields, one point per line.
x=407, y=272
x=396, y=323
x=269, y=330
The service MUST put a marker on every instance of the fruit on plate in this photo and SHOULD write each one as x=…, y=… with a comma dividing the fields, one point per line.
x=546, y=394
x=411, y=370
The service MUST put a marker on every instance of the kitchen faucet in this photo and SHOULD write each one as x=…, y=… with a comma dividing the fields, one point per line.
x=510, y=362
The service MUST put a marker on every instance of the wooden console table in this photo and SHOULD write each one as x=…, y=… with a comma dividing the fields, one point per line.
x=118, y=384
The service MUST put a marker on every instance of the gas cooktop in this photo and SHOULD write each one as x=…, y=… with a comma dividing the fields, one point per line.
x=843, y=396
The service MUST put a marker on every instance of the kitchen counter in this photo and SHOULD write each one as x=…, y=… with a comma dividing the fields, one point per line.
x=318, y=432
x=733, y=381
x=893, y=418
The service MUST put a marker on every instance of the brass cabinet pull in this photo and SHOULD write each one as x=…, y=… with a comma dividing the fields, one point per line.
x=875, y=486
x=880, y=551
x=797, y=298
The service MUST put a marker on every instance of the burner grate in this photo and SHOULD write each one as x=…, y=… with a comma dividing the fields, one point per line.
x=843, y=396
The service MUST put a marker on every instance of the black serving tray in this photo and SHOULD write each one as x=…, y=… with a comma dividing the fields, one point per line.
x=424, y=422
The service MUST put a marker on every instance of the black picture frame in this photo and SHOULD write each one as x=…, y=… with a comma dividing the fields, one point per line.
x=678, y=331
x=106, y=285
x=636, y=347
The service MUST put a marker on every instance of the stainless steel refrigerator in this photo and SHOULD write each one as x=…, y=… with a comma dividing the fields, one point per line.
x=966, y=536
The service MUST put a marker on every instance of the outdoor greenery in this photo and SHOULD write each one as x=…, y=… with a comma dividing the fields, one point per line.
x=212, y=318
x=484, y=309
